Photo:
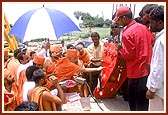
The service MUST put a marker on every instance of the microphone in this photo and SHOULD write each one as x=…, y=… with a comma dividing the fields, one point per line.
x=79, y=80
x=82, y=81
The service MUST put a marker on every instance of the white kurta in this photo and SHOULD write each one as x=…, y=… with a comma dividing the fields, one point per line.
x=26, y=87
x=155, y=81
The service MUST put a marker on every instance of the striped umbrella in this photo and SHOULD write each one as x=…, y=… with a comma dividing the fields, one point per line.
x=43, y=23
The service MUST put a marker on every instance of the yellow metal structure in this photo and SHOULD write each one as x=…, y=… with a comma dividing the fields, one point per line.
x=10, y=39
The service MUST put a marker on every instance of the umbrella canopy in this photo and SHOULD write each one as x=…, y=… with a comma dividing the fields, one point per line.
x=43, y=23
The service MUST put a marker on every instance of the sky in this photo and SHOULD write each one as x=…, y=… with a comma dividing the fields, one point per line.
x=14, y=10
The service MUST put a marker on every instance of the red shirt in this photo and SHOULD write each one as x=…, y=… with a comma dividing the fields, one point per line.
x=137, y=43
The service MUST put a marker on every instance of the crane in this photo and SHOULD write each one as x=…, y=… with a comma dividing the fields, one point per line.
x=10, y=39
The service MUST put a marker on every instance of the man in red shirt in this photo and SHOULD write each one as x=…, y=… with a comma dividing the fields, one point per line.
x=136, y=48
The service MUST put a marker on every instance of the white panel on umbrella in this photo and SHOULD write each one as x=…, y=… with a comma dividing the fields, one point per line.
x=40, y=26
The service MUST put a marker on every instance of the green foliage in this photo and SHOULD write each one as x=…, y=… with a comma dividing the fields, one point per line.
x=37, y=40
x=91, y=21
x=104, y=32
x=74, y=36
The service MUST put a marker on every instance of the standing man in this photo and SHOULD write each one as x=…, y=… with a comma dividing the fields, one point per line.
x=155, y=83
x=144, y=13
x=136, y=48
x=64, y=48
x=95, y=51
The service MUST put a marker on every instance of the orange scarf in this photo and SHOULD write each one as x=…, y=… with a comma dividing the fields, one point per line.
x=36, y=96
x=66, y=69
x=85, y=57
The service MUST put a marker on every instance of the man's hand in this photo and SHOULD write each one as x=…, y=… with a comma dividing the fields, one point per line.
x=150, y=94
x=118, y=46
x=53, y=79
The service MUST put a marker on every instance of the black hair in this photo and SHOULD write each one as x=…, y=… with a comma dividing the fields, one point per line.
x=20, y=56
x=27, y=106
x=157, y=14
x=62, y=41
x=70, y=45
x=37, y=75
x=114, y=25
x=80, y=43
x=138, y=19
x=147, y=8
x=32, y=52
x=95, y=34
x=150, y=8
x=16, y=52
x=29, y=72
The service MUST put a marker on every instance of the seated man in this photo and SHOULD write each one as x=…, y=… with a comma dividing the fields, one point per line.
x=83, y=55
x=42, y=95
x=10, y=91
x=69, y=66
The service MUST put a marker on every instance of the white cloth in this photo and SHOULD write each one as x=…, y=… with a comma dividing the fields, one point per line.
x=64, y=49
x=96, y=52
x=42, y=52
x=54, y=92
x=155, y=81
x=26, y=87
x=156, y=104
x=23, y=67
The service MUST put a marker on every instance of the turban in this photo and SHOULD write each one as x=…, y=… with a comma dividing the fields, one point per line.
x=5, y=52
x=6, y=73
x=71, y=53
x=38, y=59
x=55, y=48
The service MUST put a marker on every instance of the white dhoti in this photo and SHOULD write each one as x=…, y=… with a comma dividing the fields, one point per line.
x=156, y=104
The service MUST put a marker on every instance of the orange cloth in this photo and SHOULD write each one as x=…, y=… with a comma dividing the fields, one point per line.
x=51, y=69
x=14, y=91
x=20, y=82
x=39, y=59
x=85, y=57
x=66, y=69
x=12, y=65
x=6, y=73
x=55, y=48
x=35, y=95
x=71, y=53
x=11, y=106
x=5, y=52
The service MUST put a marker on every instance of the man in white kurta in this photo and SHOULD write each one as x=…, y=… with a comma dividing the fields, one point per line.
x=155, y=82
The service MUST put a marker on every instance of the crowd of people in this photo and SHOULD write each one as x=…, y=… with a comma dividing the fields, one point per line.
x=33, y=78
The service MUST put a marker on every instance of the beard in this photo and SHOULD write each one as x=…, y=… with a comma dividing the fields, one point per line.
x=11, y=81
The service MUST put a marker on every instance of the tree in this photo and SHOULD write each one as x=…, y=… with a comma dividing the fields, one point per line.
x=98, y=22
x=77, y=14
x=90, y=21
